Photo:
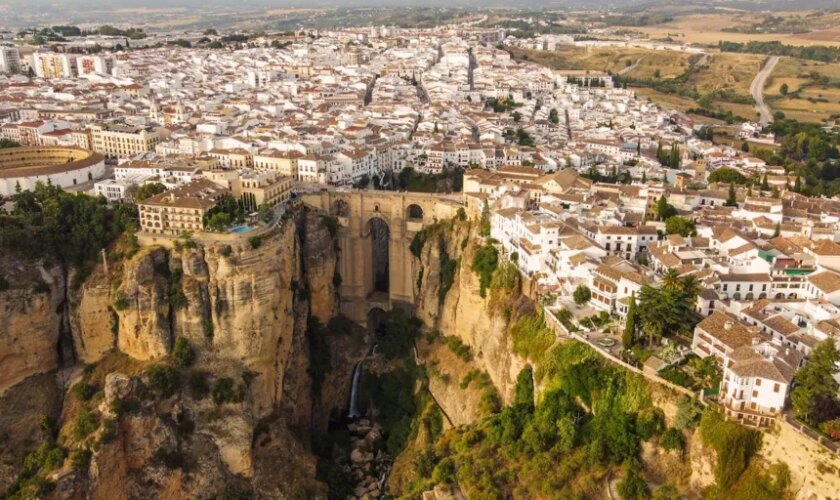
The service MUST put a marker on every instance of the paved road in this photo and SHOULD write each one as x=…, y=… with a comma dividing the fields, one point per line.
x=757, y=90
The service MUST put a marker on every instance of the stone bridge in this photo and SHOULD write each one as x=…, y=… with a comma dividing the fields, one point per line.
x=375, y=231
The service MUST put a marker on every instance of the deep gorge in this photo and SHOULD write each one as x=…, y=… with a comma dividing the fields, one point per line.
x=205, y=370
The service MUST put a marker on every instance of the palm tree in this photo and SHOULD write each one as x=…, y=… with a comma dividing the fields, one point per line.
x=691, y=286
x=671, y=279
x=653, y=312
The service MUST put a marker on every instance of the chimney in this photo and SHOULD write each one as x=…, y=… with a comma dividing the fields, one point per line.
x=756, y=340
x=727, y=325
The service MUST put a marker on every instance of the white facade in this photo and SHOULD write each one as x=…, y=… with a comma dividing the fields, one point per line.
x=67, y=179
x=9, y=60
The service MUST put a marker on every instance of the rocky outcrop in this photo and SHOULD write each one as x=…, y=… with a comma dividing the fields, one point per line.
x=93, y=321
x=30, y=319
x=463, y=312
x=243, y=307
x=319, y=264
x=142, y=306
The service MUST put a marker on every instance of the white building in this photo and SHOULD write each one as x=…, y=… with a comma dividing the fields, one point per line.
x=53, y=65
x=89, y=65
x=756, y=379
x=9, y=60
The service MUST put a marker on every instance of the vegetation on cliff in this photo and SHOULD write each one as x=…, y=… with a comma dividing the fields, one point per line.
x=72, y=228
x=586, y=421
x=737, y=476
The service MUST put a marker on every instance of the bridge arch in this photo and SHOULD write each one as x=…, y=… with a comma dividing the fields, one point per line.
x=379, y=233
x=374, y=319
x=363, y=218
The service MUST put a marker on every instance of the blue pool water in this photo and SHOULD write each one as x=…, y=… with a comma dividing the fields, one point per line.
x=240, y=229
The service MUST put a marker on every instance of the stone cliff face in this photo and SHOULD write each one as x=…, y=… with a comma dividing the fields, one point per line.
x=142, y=305
x=463, y=312
x=30, y=320
x=243, y=310
x=237, y=305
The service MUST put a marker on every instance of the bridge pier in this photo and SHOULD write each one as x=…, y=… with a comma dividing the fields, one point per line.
x=404, y=214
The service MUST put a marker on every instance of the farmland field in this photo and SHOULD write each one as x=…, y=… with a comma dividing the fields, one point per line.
x=695, y=29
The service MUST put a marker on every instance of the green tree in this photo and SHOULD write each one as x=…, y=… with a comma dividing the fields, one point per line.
x=582, y=295
x=266, y=213
x=727, y=175
x=783, y=89
x=148, y=190
x=731, y=199
x=484, y=263
x=484, y=228
x=632, y=486
x=524, y=393
x=680, y=225
x=765, y=186
x=553, y=116
x=628, y=338
x=219, y=221
x=816, y=389
x=671, y=279
x=667, y=309
x=182, y=352
x=664, y=210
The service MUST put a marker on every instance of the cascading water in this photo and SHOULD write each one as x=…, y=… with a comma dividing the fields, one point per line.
x=354, y=391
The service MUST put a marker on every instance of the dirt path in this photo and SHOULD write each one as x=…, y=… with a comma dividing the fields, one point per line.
x=631, y=67
x=757, y=90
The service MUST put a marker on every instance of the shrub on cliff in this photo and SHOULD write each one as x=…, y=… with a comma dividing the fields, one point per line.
x=672, y=440
x=632, y=486
x=459, y=348
x=484, y=264
x=524, y=392
x=83, y=391
x=199, y=386
x=224, y=391
x=531, y=337
x=163, y=380
x=734, y=444
x=182, y=352
x=85, y=423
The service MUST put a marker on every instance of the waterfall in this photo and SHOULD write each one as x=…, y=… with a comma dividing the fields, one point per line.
x=354, y=390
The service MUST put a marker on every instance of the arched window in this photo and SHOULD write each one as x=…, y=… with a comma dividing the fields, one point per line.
x=341, y=208
x=415, y=212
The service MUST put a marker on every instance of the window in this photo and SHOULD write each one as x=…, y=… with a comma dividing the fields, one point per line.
x=757, y=382
x=776, y=387
x=755, y=394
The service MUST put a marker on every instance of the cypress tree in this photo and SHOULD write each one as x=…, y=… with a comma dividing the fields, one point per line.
x=765, y=186
x=629, y=335
x=732, y=200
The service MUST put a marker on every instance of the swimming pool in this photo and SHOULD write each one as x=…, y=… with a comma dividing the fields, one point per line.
x=240, y=229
